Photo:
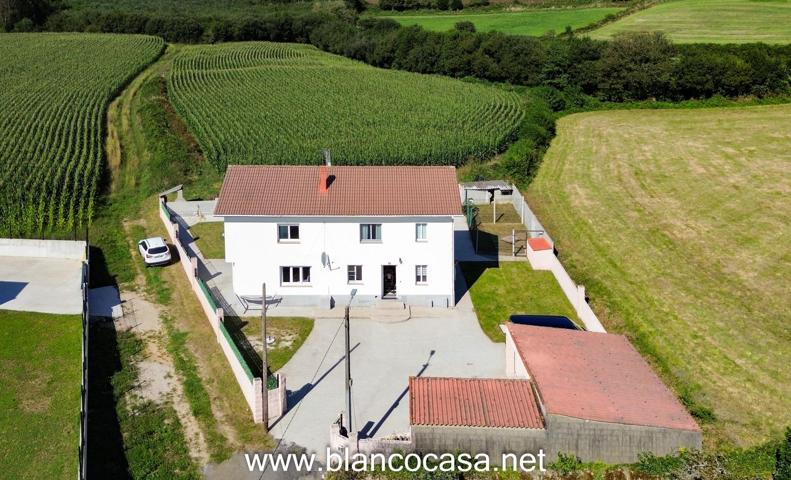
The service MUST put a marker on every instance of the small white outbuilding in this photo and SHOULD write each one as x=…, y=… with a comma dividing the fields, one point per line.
x=314, y=233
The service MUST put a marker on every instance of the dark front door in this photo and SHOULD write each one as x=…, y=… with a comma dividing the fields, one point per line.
x=388, y=281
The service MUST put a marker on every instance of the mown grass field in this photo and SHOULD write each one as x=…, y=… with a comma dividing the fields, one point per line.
x=40, y=378
x=267, y=103
x=710, y=21
x=678, y=223
x=54, y=90
x=525, y=22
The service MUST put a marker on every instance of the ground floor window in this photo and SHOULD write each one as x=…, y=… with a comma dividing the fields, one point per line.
x=294, y=275
x=354, y=273
x=421, y=274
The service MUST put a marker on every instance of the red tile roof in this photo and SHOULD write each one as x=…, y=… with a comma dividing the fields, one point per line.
x=473, y=402
x=538, y=244
x=597, y=376
x=353, y=191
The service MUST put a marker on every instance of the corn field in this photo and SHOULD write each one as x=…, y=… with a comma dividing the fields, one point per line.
x=267, y=103
x=54, y=92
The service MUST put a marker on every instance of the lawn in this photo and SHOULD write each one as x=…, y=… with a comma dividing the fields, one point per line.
x=499, y=291
x=40, y=377
x=209, y=238
x=526, y=22
x=289, y=332
x=712, y=21
x=678, y=224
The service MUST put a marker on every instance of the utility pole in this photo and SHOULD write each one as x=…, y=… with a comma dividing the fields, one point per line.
x=348, y=366
x=348, y=375
x=264, y=362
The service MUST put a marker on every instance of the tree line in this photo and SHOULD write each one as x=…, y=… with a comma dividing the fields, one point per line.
x=630, y=67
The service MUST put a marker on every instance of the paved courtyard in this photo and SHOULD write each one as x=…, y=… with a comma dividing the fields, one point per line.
x=384, y=356
x=46, y=285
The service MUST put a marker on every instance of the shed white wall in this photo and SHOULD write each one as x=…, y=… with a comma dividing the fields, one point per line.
x=252, y=246
x=514, y=366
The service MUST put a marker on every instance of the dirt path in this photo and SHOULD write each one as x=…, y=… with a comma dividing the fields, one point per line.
x=157, y=379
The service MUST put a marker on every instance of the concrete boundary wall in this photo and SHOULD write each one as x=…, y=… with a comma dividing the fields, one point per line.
x=22, y=247
x=546, y=260
x=251, y=386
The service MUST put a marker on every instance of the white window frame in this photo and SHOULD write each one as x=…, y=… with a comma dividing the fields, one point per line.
x=424, y=238
x=367, y=239
x=291, y=271
x=358, y=274
x=421, y=274
x=289, y=238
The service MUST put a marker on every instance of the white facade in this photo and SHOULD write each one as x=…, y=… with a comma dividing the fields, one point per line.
x=330, y=245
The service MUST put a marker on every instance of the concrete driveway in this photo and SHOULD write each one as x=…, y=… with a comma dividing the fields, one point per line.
x=384, y=356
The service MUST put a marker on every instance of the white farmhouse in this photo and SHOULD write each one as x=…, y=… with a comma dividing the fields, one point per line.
x=314, y=233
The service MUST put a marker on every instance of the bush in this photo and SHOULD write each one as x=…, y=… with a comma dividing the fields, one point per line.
x=783, y=458
x=465, y=26
x=636, y=66
x=24, y=25
x=456, y=5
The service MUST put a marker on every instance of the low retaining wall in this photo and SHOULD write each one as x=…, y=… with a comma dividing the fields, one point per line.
x=250, y=385
x=19, y=247
x=546, y=260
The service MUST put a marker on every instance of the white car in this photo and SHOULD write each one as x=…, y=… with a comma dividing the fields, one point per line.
x=154, y=251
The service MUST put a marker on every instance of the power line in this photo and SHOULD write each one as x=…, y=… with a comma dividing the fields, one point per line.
x=315, y=374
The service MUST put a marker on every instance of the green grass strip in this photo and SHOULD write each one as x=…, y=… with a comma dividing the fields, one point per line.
x=197, y=396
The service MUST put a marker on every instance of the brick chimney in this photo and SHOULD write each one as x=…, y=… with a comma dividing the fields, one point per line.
x=324, y=177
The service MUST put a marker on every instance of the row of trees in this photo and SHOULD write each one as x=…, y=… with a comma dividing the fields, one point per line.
x=630, y=67
x=401, y=5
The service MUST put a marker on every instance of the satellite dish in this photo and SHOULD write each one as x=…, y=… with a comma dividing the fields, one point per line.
x=325, y=259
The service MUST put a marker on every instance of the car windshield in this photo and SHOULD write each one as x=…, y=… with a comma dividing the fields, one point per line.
x=156, y=250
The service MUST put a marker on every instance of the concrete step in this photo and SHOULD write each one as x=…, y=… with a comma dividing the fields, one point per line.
x=390, y=311
x=394, y=304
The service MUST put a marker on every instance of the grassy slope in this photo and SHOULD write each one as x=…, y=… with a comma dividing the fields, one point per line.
x=714, y=21
x=39, y=394
x=678, y=224
x=509, y=288
x=527, y=22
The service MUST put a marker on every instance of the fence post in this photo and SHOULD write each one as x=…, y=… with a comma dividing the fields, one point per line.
x=220, y=320
x=580, y=297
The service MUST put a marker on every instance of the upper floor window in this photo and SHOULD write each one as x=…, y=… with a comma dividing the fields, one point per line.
x=295, y=275
x=421, y=232
x=287, y=233
x=371, y=232
x=421, y=274
x=354, y=273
